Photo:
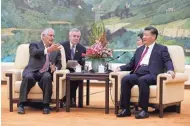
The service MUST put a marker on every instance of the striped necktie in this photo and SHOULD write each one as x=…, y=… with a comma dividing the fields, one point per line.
x=46, y=65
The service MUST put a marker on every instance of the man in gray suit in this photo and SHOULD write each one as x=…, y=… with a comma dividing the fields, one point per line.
x=44, y=59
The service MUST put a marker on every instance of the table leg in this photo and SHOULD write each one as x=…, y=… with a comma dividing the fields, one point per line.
x=57, y=93
x=80, y=100
x=87, y=92
x=67, y=95
x=107, y=96
x=116, y=95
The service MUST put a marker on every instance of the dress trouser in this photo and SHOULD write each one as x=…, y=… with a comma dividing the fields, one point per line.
x=73, y=87
x=44, y=81
x=143, y=82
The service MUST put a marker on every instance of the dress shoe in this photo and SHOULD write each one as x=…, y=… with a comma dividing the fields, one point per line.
x=46, y=110
x=141, y=115
x=124, y=113
x=137, y=112
x=72, y=103
x=21, y=109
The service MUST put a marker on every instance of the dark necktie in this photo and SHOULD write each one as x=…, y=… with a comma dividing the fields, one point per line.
x=72, y=52
x=46, y=65
x=142, y=56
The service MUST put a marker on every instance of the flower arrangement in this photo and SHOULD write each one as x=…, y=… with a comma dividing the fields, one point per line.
x=97, y=51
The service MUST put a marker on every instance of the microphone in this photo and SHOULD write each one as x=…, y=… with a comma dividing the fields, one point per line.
x=117, y=57
x=107, y=65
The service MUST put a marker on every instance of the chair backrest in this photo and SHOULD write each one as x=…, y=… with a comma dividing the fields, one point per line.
x=22, y=57
x=178, y=57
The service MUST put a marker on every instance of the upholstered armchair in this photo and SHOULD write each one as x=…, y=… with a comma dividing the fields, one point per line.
x=14, y=78
x=166, y=92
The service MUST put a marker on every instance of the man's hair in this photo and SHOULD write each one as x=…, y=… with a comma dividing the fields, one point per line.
x=45, y=31
x=73, y=30
x=140, y=35
x=152, y=30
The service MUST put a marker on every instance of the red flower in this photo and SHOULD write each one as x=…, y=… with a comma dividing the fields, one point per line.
x=83, y=54
x=98, y=51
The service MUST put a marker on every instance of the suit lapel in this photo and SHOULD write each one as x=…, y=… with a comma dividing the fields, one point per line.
x=139, y=54
x=153, y=53
x=41, y=45
x=76, y=52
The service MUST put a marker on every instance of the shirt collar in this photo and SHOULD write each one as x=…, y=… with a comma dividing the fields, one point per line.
x=151, y=46
x=44, y=44
x=72, y=45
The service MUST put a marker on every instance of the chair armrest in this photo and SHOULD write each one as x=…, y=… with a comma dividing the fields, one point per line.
x=4, y=67
x=60, y=73
x=170, y=90
x=59, y=78
x=119, y=74
x=179, y=77
x=115, y=78
x=15, y=73
x=12, y=76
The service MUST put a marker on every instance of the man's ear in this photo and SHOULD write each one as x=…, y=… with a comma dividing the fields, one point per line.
x=154, y=37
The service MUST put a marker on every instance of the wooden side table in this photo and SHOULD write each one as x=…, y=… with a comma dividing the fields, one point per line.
x=88, y=77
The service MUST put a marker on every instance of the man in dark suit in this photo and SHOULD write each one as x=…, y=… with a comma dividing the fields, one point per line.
x=148, y=61
x=74, y=51
x=44, y=59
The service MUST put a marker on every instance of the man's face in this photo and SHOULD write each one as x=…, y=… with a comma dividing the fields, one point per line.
x=148, y=37
x=74, y=37
x=49, y=38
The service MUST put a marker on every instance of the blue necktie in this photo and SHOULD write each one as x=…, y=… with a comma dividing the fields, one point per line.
x=72, y=52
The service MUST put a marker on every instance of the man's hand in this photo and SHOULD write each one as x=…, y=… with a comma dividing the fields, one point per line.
x=53, y=47
x=52, y=67
x=117, y=69
x=172, y=73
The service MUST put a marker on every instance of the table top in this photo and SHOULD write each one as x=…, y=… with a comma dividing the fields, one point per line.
x=88, y=75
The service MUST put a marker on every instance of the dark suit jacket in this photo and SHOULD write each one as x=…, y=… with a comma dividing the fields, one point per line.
x=159, y=62
x=37, y=58
x=78, y=53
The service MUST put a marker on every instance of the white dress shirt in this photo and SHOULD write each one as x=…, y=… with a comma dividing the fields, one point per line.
x=45, y=50
x=146, y=58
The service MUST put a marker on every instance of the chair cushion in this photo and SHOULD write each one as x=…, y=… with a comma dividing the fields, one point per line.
x=135, y=91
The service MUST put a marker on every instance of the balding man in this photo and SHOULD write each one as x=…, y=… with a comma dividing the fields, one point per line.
x=44, y=59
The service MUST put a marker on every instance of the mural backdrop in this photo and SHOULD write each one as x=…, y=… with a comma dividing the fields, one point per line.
x=23, y=20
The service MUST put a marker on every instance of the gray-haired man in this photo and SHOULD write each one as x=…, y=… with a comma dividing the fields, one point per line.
x=44, y=57
x=73, y=51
